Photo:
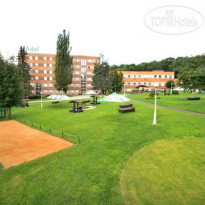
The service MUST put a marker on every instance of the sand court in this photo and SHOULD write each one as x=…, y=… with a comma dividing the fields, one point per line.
x=20, y=143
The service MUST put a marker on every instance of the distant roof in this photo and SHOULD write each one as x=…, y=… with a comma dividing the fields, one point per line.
x=141, y=86
x=149, y=72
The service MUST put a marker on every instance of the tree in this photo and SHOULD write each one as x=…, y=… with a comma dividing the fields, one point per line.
x=63, y=68
x=102, y=77
x=11, y=86
x=25, y=71
x=191, y=78
x=170, y=84
x=116, y=80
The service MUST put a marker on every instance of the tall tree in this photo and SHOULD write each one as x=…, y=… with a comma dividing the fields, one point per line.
x=102, y=78
x=116, y=80
x=11, y=86
x=63, y=68
x=24, y=69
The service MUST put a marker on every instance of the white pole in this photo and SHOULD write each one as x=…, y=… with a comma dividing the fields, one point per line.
x=171, y=88
x=41, y=101
x=155, y=109
x=124, y=89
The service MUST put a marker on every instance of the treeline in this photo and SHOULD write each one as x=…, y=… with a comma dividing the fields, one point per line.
x=168, y=64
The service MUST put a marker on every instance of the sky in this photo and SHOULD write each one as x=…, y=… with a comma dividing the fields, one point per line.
x=122, y=30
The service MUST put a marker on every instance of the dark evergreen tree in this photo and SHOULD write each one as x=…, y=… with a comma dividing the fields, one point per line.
x=102, y=77
x=24, y=69
x=11, y=86
x=63, y=68
x=170, y=84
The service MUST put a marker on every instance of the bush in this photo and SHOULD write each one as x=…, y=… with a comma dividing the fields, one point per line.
x=151, y=94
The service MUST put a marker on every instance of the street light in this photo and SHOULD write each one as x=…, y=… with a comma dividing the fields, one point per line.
x=41, y=100
x=155, y=107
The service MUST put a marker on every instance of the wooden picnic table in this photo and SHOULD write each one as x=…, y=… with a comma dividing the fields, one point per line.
x=76, y=105
x=95, y=100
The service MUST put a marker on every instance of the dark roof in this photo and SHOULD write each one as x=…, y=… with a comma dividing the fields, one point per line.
x=141, y=86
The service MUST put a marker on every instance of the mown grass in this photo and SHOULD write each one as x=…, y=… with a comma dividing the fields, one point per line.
x=89, y=172
x=166, y=172
x=176, y=101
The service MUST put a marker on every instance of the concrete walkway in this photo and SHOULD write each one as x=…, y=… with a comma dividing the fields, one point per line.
x=170, y=108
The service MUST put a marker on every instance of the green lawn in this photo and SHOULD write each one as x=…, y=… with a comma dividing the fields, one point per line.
x=168, y=172
x=176, y=101
x=89, y=172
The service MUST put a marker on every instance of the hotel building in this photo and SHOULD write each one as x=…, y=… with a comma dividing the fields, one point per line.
x=43, y=76
x=150, y=79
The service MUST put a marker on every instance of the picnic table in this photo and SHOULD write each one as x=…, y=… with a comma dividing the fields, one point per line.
x=78, y=105
x=95, y=100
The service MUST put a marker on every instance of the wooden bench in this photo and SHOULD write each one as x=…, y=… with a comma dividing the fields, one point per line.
x=193, y=98
x=54, y=102
x=125, y=105
x=127, y=109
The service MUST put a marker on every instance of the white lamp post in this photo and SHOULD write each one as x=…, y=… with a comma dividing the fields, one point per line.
x=41, y=100
x=155, y=108
x=124, y=89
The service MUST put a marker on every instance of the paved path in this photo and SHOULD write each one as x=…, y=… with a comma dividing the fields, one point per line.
x=170, y=108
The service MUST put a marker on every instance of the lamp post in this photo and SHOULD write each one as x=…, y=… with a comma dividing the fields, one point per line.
x=124, y=89
x=41, y=100
x=155, y=108
x=171, y=88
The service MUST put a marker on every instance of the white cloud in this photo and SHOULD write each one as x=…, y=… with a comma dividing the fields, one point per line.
x=113, y=27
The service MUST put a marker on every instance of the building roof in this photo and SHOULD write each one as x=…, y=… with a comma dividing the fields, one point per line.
x=162, y=72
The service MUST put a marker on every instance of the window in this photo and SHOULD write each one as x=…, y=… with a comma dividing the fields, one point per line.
x=159, y=84
x=45, y=65
x=74, y=59
x=36, y=64
x=30, y=58
x=77, y=66
x=36, y=78
x=138, y=83
x=50, y=65
x=36, y=57
x=160, y=76
x=89, y=60
x=51, y=85
x=83, y=70
x=83, y=61
x=149, y=84
x=31, y=64
x=145, y=83
x=78, y=60
x=50, y=71
x=36, y=71
x=155, y=76
x=50, y=59
x=45, y=71
x=134, y=76
x=165, y=76
x=170, y=76
x=139, y=76
x=45, y=85
x=45, y=78
x=134, y=83
x=50, y=78
x=128, y=76
x=128, y=83
x=45, y=58
x=88, y=66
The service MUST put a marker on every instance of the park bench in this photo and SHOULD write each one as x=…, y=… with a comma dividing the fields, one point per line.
x=125, y=105
x=54, y=102
x=126, y=108
x=193, y=98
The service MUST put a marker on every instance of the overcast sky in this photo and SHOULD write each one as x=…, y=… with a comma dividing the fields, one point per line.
x=114, y=28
